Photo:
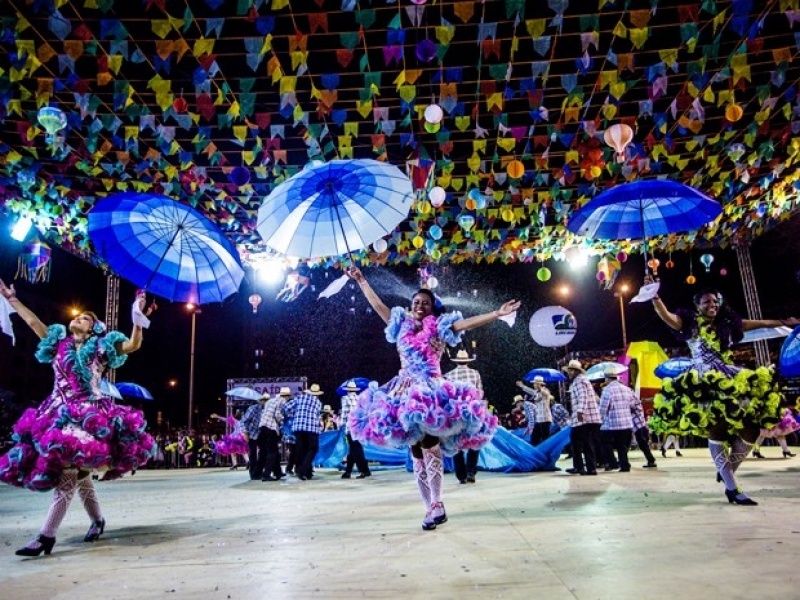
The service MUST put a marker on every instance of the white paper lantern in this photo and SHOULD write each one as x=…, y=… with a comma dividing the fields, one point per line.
x=437, y=196
x=434, y=113
x=380, y=246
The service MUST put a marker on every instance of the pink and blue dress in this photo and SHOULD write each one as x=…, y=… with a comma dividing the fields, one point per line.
x=419, y=401
x=234, y=442
x=76, y=427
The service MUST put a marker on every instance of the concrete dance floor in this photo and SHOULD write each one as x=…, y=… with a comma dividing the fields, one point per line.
x=665, y=533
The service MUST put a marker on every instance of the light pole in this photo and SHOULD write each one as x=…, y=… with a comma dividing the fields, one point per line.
x=194, y=310
x=621, y=295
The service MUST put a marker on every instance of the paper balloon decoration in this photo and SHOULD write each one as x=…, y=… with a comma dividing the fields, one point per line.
x=466, y=222
x=426, y=51
x=434, y=113
x=691, y=279
x=543, y=274
x=437, y=196
x=435, y=232
x=618, y=137
x=380, y=246
x=239, y=176
x=52, y=119
x=33, y=264
x=515, y=169
x=707, y=260
x=180, y=105
x=733, y=113
x=254, y=300
x=553, y=326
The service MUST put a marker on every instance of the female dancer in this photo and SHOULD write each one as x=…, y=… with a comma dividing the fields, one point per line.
x=715, y=399
x=232, y=444
x=787, y=426
x=418, y=407
x=76, y=429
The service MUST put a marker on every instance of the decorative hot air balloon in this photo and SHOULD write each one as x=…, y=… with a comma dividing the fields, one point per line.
x=707, y=259
x=53, y=120
x=254, y=300
x=466, y=222
x=618, y=137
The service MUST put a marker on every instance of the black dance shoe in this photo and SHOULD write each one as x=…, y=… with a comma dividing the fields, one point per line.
x=42, y=543
x=757, y=454
x=678, y=453
x=363, y=475
x=788, y=454
x=95, y=531
x=737, y=497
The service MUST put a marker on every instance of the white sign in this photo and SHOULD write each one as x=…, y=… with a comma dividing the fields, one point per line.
x=553, y=326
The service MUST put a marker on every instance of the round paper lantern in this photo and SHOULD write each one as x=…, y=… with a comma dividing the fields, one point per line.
x=437, y=196
x=515, y=169
x=435, y=232
x=670, y=264
x=733, y=113
x=180, y=105
x=436, y=254
x=424, y=207
x=691, y=279
x=553, y=326
x=622, y=256
x=239, y=176
x=618, y=137
x=254, y=300
x=543, y=274
x=508, y=215
x=470, y=204
x=418, y=241
x=426, y=51
x=600, y=276
x=475, y=194
x=434, y=113
x=466, y=222
x=380, y=246
x=723, y=271
x=433, y=283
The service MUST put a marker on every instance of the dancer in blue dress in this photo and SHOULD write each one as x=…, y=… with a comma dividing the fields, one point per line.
x=715, y=398
x=418, y=407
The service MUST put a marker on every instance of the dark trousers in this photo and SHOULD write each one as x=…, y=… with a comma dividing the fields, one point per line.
x=466, y=465
x=583, y=438
x=541, y=431
x=355, y=456
x=307, y=446
x=255, y=470
x=643, y=441
x=616, y=440
x=269, y=452
x=291, y=455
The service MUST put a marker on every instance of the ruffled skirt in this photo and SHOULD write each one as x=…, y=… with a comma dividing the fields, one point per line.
x=787, y=425
x=403, y=411
x=107, y=437
x=231, y=444
x=696, y=401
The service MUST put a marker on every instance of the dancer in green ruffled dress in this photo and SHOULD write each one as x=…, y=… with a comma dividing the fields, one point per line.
x=716, y=399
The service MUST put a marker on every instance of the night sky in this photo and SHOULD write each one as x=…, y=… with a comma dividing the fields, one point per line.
x=330, y=340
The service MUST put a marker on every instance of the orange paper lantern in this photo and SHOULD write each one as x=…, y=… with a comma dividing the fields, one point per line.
x=515, y=169
x=733, y=113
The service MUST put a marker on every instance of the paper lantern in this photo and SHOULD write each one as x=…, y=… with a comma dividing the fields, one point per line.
x=437, y=196
x=435, y=232
x=433, y=283
x=380, y=246
x=470, y=204
x=733, y=113
x=707, y=259
x=52, y=119
x=180, y=105
x=691, y=279
x=543, y=274
x=654, y=263
x=418, y=241
x=26, y=179
x=254, y=300
x=432, y=127
x=239, y=176
x=508, y=215
x=553, y=326
x=424, y=207
x=515, y=169
x=723, y=271
x=618, y=137
x=669, y=264
x=434, y=113
x=426, y=51
x=622, y=256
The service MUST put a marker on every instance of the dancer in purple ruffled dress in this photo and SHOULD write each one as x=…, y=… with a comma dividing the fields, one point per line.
x=418, y=407
x=232, y=444
x=76, y=429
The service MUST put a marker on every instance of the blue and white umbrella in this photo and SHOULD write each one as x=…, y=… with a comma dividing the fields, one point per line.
x=334, y=208
x=598, y=370
x=109, y=390
x=642, y=210
x=134, y=390
x=362, y=383
x=165, y=247
x=243, y=393
x=673, y=367
x=790, y=355
x=549, y=375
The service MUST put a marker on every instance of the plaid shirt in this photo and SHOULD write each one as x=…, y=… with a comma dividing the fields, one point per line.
x=529, y=410
x=272, y=416
x=305, y=410
x=465, y=374
x=251, y=420
x=560, y=415
x=638, y=415
x=541, y=399
x=348, y=403
x=584, y=401
x=616, y=406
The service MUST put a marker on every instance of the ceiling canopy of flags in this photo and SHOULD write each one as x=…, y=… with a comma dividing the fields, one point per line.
x=506, y=115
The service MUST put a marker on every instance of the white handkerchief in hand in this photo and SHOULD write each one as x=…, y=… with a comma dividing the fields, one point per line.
x=510, y=318
x=647, y=292
x=334, y=288
x=137, y=316
x=5, y=319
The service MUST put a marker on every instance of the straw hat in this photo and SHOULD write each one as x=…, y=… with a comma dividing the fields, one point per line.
x=574, y=365
x=351, y=386
x=462, y=357
x=611, y=373
x=538, y=379
x=518, y=398
x=315, y=390
x=327, y=408
x=285, y=391
x=264, y=396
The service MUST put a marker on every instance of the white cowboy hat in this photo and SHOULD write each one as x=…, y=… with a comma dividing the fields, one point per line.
x=327, y=408
x=285, y=391
x=538, y=379
x=611, y=373
x=462, y=357
x=574, y=365
x=265, y=396
x=518, y=398
x=315, y=390
x=351, y=386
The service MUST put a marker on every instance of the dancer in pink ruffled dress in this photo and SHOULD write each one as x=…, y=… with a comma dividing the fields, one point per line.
x=76, y=429
x=418, y=407
x=232, y=444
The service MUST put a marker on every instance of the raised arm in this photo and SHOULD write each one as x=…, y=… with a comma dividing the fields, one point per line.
x=135, y=341
x=479, y=320
x=375, y=302
x=25, y=313
x=671, y=319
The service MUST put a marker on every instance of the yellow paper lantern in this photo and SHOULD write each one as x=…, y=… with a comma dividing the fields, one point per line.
x=508, y=215
x=691, y=280
x=424, y=207
x=418, y=241
x=733, y=113
x=515, y=169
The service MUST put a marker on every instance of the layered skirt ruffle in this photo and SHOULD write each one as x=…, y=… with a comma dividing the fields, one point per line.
x=694, y=402
x=110, y=438
x=403, y=411
x=231, y=444
x=788, y=424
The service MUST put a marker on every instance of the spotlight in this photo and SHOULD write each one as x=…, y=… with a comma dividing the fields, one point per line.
x=21, y=229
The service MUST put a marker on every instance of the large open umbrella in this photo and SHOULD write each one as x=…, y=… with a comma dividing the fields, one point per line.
x=642, y=210
x=134, y=390
x=790, y=355
x=109, y=389
x=165, y=247
x=598, y=371
x=549, y=375
x=243, y=393
x=673, y=367
x=766, y=333
x=333, y=208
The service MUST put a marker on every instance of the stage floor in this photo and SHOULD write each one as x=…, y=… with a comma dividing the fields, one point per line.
x=660, y=533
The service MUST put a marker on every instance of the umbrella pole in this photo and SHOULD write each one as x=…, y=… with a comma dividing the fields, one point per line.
x=644, y=235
